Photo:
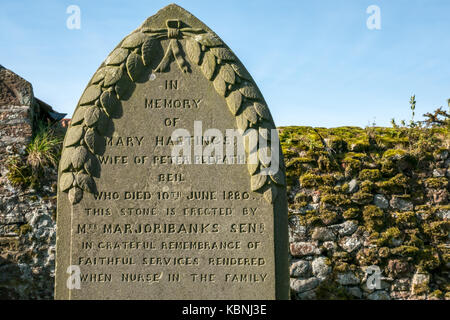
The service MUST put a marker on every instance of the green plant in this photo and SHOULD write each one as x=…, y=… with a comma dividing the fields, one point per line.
x=44, y=149
x=439, y=118
x=412, y=103
x=42, y=152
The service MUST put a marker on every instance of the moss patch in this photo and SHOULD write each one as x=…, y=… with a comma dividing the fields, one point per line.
x=370, y=174
x=373, y=218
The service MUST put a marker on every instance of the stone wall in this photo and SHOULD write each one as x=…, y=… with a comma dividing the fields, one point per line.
x=16, y=100
x=27, y=229
x=369, y=212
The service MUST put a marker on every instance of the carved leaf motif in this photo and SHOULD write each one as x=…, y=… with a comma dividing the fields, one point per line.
x=78, y=117
x=234, y=101
x=75, y=195
x=66, y=159
x=208, y=39
x=226, y=73
x=252, y=167
x=112, y=75
x=241, y=122
x=79, y=156
x=134, y=66
x=241, y=71
x=257, y=181
x=102, y=123
x=222, y=53
x=117, y=57
x=208, y=65
x=193, y=50
x=134, y=40
x=278, y=178
x=92, y=166
x=89, y=139
x=74, y=135
x=262, y=110
x=85, y=182
x=250, y=114
x=91, y=116
x=66, y=181
x=220, y=85
x=249, y=91
x=109, y=102
x=90, y=95
x=148, y=50
x=271, y=194
x=250, y=147
x=98, y=76
x=123, y=86
x=264, y=132
x=265, y=155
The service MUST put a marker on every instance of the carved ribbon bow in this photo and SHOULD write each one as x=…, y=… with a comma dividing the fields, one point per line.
x=174, y=32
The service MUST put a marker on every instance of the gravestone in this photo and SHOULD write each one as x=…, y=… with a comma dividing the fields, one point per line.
x=137, y=220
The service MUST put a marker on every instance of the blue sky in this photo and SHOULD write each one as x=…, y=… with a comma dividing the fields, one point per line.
x=315, y=61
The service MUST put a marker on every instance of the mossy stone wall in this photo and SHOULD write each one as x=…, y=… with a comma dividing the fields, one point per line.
x=369, y=212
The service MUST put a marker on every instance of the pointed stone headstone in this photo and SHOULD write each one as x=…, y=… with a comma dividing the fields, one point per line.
x=137, y=220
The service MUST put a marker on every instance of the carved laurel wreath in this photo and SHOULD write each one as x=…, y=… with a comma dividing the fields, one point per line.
x=124, y=65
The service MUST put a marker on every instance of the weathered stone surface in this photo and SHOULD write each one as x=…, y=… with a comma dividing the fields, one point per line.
x=353, y=186
x=308, y=295
x=329, y=245
x=419, y=283
x=401, y=204
x=346, y=228
x=400, y=295
x=303, y=285
x=321, y=267
x=439, y=196
x=380, y=201
x=355, y=292
x=379, y=295
x=142, y=225
x=27, y=227
x=300, y=249
x=350, y=244
x=442, y=155
x=16, y=108
x=300, y=269
x=445, y=215
x=396, y=267
x=347, y=278
x=439, y=172
x=297, y=232
x=402, y=284
x=323, y=234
